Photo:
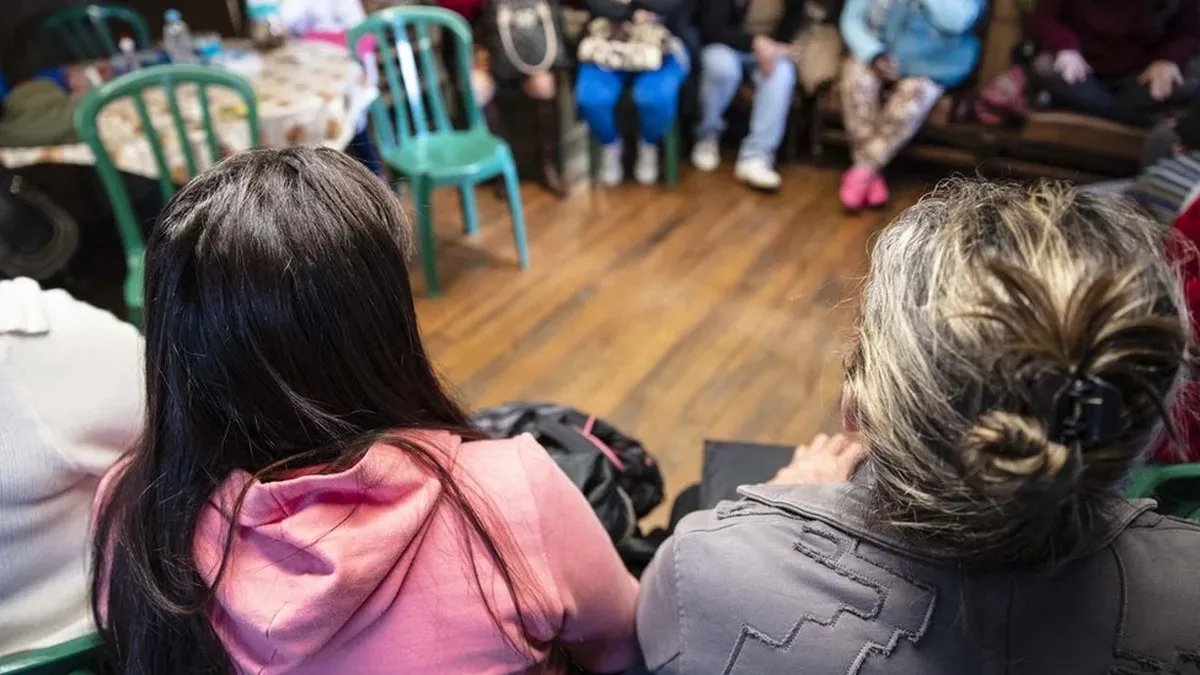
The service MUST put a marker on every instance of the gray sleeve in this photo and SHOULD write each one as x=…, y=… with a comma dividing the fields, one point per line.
x=659, y=614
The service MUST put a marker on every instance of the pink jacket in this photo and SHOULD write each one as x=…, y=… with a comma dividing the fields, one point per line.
x=365, y=571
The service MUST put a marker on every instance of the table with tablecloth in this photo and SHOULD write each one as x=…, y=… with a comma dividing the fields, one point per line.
x=308, y=93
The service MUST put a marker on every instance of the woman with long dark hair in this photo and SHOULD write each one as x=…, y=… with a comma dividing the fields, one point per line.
x=307, y=497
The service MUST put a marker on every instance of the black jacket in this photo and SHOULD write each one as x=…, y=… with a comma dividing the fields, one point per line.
x=723, y=21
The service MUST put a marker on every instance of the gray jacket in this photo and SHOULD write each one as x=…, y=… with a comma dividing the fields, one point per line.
x=791, y=580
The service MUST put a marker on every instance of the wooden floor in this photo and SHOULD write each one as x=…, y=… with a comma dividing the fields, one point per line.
x=706, y=312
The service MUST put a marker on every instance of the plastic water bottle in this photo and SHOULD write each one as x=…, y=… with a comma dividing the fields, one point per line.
x=127, y=60
x=177, y=38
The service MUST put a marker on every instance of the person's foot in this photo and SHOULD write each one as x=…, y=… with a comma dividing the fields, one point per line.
x=646, y=169
x=612, y=170
x=757, y=173
x=855, y=183
x=877, y=193
x=706, y=154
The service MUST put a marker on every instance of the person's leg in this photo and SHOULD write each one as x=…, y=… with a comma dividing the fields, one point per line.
x=542, y=88
x=597, y=91
x=656, y=95
x=769, y=114
x=1092, y=96
x=860, y=86
x=901, y=117
x=720, y=75
x=859, y=89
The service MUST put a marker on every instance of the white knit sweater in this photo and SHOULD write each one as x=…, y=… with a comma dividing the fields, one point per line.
x=71, y=401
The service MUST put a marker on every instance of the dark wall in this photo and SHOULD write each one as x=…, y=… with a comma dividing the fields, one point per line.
x=17, y=18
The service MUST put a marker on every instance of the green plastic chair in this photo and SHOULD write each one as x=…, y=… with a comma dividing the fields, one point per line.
x=1176, y=486
x=419, y=142
x=81, y=656
x=169, y=78
x=87, y=33
x=670, y=144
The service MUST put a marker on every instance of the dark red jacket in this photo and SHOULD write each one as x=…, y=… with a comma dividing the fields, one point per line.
x=1118, y=37
x=1187, y=412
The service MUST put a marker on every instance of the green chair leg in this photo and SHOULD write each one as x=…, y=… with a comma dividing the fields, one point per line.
x=512, y=186
x=423, y=191
x=466, y=193
x=671, y=155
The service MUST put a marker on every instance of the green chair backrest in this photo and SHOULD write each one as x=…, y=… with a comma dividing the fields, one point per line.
x=1175, y=486
x=169, y=79
x=87, y=30
x=81, y=656
x=405, y=51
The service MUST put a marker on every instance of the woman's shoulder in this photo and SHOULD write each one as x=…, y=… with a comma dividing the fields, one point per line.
x=509, y=466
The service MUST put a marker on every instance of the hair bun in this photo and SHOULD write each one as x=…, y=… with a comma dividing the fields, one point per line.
x=1005, y=452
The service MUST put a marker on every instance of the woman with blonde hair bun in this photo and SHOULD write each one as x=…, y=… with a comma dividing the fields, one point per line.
x=1018, y=350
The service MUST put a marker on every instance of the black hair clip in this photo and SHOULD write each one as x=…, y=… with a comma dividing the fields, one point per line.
x=1087, y=410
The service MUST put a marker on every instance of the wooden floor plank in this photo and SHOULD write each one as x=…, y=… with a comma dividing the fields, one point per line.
x=707, y=312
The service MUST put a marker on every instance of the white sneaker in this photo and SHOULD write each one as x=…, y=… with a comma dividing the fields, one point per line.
x=706, y=154
x=612, y=168
x=646, y=169
x=758, y=174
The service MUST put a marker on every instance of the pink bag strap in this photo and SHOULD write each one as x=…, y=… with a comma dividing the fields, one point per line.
x=601, y=445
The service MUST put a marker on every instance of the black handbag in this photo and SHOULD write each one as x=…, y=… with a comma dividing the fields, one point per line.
x=37, y=237
x=524, y=37
x=622, y=482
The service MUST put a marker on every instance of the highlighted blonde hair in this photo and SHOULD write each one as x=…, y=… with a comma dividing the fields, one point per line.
x=983, y=301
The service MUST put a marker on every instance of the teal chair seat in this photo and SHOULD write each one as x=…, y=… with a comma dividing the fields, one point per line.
x=450, y=157
x=417, y=140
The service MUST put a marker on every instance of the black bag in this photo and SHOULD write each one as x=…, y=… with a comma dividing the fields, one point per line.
x=524, y=37
x=621, y=481
x=37, y=237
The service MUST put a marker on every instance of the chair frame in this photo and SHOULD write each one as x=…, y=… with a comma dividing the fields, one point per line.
x=406, y=68
x=80, y=655
x=87, y=33
x=169, y=78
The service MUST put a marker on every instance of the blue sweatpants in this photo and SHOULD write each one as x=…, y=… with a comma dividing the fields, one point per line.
x=655, y=93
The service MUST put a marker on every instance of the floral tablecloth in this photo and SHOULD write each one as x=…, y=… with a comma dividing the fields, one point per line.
x=308, y=93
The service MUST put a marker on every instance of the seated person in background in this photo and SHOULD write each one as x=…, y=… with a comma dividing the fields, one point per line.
x=71, y=402
x=655, y=92
x=1016, y=349
x=1185, y=447
x=1123, y=60
x=913, y=49
x=541, y=86
x=372, y=528
x=817, y=47
x=330, y=21
x=728, y=50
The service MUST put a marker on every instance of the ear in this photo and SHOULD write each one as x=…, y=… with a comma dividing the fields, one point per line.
x=849, y=415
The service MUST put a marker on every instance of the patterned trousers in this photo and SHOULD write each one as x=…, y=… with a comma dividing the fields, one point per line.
x=877, y=128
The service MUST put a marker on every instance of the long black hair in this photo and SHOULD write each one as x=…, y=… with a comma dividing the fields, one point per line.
x=280, y=333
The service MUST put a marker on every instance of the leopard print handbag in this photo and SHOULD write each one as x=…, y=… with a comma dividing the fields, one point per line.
x=625, y=46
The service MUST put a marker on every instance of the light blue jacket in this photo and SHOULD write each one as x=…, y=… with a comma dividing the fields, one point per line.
x=929, y=38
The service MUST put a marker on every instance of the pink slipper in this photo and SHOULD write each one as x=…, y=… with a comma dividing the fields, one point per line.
x=877, y=192
x=855, y=183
